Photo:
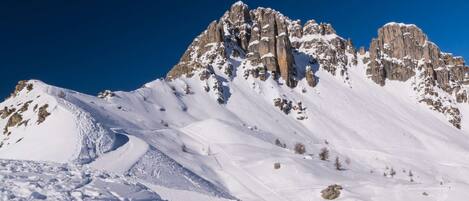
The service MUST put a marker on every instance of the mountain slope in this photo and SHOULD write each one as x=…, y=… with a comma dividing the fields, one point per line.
x=228, y=120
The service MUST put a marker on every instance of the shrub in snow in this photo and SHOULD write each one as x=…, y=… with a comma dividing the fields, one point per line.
x=61, y=94
x=280, y=144
x=392, y=172
x=276, y=166
x=338, y=164
x=300, y=148
x=347, y=161
x=324, y=154
x=187, y=89
x=164, y=123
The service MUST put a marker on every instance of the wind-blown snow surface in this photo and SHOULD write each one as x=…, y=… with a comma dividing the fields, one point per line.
x=184, y=143
x=28, y=180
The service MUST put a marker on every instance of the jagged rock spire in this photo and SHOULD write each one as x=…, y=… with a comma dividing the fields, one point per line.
x=261, y=33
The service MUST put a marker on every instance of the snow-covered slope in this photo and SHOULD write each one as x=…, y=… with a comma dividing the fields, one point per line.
x=226, y=128
x=29, y=180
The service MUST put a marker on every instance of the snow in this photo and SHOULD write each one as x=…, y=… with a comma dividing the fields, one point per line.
x=399, y=24
x=124, y=157
x=187, y=146
x=267, y=55
x=28, y=180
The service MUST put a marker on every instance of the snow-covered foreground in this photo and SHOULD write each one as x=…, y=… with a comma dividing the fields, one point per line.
x=28, y=180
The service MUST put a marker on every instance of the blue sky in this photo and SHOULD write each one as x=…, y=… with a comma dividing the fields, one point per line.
x=119, y=45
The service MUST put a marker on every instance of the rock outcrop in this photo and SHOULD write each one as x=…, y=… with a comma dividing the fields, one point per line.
x=14, y=120
x=331, y=192
x=269, y=42
x=264, y=44
x=261, y=35
x=42, y=114
x=329, y=51
x=401, y=52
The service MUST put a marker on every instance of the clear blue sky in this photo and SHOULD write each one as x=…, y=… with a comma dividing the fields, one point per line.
x=119, y=45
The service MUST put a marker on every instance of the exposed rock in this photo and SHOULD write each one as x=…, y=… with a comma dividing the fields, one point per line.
x=42, y=114
x=310, y=78
x=14, y=120
x=261, y=33
x=270, y=41
x=5, y=112
x=20, y=86
x=401, y=52
x=399, y=49
x=331, y=192
x=106, y=94
x=195, y=56
x=283, y=104
x=25, y=106
x=328, y=49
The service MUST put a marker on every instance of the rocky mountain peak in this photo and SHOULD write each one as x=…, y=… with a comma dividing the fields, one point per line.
x=403, y=51
x=261, y=35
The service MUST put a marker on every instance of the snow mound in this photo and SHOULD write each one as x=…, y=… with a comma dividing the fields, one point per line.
x=50, y=128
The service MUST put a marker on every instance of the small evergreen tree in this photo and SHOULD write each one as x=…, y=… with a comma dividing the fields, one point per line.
x=324, y=154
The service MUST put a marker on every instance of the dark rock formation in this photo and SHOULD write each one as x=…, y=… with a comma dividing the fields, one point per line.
x=310, y=78
x=331, y=192
x=14, y=120
x=42, y=114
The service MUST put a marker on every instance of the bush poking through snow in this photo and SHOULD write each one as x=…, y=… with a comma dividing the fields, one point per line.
x=280, y=144
x=61, y=94
x=392, y=172
x=411, y=175
x=338, y=164
x=324, y=154
x=300, y=148
x=276, y=166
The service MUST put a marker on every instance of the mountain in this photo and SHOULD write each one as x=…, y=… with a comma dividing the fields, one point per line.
x=262, y=107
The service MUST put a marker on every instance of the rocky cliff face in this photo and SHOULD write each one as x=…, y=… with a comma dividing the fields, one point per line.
x=261, y=35
x=264, y=44
x=401, y=52
x=268, y=41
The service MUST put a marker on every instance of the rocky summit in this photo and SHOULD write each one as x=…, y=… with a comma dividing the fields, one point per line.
x=260, y=107
x=269, y=44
